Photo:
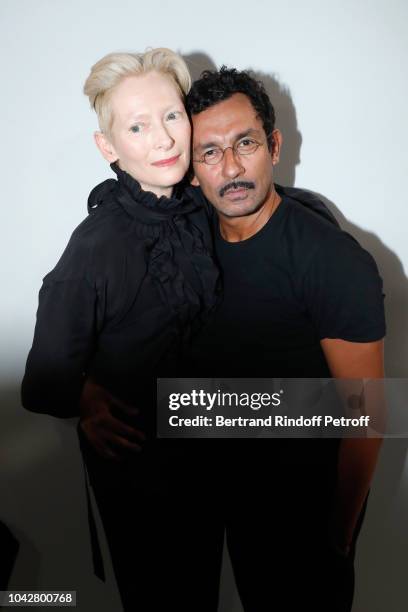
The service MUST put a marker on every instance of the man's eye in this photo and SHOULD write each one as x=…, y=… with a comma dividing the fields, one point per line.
x=246, y=143
x=211, y=153
x=137, y=128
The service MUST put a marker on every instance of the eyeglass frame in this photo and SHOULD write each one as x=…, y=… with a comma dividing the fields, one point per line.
x=235, y=151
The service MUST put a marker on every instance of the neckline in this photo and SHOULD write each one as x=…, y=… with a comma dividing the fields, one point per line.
x=158, y=207
x=274, y=218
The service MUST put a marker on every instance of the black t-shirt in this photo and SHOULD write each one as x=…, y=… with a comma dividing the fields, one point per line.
x=298, y=280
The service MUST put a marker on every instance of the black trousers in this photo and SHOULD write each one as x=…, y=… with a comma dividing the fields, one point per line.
x=277, y=525
x=165, y=517
x=164, y=528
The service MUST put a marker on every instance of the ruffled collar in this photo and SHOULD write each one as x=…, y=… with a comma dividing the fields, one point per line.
x=155, y=208
x=178, y=257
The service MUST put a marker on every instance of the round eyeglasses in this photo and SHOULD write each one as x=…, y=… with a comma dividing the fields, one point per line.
x=244, y=146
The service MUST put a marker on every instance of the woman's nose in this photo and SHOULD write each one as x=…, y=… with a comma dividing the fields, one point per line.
x=162, y=138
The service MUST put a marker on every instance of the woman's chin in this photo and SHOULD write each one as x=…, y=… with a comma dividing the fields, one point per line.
x=173, y=176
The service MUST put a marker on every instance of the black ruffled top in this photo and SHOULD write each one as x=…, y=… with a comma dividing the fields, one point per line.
x=135, y=283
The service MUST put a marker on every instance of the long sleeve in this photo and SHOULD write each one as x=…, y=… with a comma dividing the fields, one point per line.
x=64, y=340
x=123, y=299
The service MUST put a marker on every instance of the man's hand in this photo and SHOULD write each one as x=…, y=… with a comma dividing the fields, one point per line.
x=110, y=437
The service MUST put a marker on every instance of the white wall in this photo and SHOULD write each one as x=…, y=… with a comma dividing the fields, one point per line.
x=337, y=73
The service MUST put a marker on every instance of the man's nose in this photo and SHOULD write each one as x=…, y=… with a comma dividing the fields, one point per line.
x=162, y=138
x=231, y=164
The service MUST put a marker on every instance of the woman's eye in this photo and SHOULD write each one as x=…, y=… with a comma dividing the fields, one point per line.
x=136, y=129
x=174, y=115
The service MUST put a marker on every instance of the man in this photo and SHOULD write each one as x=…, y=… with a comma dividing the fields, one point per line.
x=301, y=299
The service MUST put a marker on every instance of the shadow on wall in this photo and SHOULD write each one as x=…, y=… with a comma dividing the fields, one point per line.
x=45, y=507
x=9, y=546
x=382, y=553
x=380, y=583
x=395, y=289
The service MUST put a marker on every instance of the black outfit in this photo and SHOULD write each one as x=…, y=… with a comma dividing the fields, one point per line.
x=298, y=280
x=134, y=284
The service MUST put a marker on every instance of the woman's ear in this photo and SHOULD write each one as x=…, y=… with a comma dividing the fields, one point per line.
x=106, y=147
x=194, y=181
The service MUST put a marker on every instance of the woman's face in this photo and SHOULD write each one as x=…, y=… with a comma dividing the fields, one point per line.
x=150, y=135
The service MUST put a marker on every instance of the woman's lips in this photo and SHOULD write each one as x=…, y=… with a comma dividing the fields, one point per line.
x=166, y=162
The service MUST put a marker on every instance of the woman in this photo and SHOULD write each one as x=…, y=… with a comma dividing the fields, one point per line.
x=134, y=283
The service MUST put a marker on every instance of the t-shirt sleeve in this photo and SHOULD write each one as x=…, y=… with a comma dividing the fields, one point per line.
x=344, y=291
x=309, y=200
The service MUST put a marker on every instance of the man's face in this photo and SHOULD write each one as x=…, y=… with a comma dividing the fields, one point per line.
x=238, y=185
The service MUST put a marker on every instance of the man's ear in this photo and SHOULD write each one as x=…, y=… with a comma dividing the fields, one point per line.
x=277, y=140
x=106, y=148
x=194, y=181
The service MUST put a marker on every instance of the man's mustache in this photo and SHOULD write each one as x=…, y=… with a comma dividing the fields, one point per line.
x=236, y=185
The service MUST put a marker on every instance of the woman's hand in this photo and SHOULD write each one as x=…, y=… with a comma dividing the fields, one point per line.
x=109, y=436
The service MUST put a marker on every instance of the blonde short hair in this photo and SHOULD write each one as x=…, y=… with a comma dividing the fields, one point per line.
x=113, y=68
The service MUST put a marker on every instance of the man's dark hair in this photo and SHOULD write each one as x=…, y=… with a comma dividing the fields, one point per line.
x=219, y=85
